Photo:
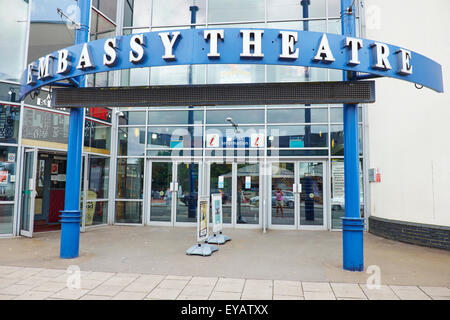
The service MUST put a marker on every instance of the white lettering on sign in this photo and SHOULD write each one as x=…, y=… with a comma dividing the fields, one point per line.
x=85, y=61
x=45, y=67
x=404, y=62
x=110, y=56
x=213, y=35
x=63, y=65
x=381, y=54
x=168, y=44
x=288, y=40
x=249, y=45
x=31, y=76
x=137, y=43
x=324, y=53
x=354, y=45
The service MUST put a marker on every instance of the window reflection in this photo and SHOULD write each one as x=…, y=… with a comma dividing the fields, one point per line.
x=175, y=137
x=297, y=136
x=131, y=141
x=235, y=10
x=130, y=178
x=175, y=117
x=177, y=12
x=307, y=115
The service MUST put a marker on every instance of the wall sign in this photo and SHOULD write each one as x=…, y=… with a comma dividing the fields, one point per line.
x=233, y=46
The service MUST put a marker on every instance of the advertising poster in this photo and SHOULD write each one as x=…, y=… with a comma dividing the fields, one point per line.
x=3, y=177
x=202, y=219
x=216, y=200
x=54, y=168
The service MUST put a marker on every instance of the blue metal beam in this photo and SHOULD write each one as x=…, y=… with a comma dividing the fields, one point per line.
x=71, y=216
x=352, y=223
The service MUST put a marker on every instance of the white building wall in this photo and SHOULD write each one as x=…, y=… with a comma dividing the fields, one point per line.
x=409, y=139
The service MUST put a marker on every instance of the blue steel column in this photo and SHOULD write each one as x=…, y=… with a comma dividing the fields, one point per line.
x=352, y=223
x=71, y=216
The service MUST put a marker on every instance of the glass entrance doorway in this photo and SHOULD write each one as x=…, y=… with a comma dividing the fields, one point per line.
x=173, y=192
x=297, y=192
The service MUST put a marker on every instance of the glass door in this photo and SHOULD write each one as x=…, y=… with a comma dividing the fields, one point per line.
x=311, y=190
x=161, y=192
x=28, y=192
x=248, y=202
x=220, y=181
x=283, y=199
x=187, y=190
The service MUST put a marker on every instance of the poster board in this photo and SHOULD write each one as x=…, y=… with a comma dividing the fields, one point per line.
x=202, y=218
x=216, y=207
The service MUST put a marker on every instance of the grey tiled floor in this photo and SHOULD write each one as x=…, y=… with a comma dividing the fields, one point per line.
x=39, y=284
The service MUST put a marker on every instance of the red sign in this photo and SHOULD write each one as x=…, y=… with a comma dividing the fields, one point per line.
x=99, y=113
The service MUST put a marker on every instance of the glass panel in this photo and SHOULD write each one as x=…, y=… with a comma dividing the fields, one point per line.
x=243, y=116
x=334, y=8
x=45, y=126
x=98, y=178
x=128, y=212
x=187, y=192
x=28, y=181
x=6, y=218
x=311, y=197
x=235, y=73
x=294, y=9
x=177, y=12
x=137, y=13
x=173, y=75
x=295, y=74
x=337, y=114
x=130, y=178
x=297, y=136
x=96, y=212
x=131, y=141
x=14, y=17
x=221, y=182
x=235, y=10
x=9, y=123
x=161, y=198
x=230, y=137
x=175, y=137
x=248, y=194
x=337, y=139
x=283, y=201
x=132, y=118
x=97, y=136
x=8, y=160
x=297, y=115
x=334, y=26
x=175, y=117
x=338, y=192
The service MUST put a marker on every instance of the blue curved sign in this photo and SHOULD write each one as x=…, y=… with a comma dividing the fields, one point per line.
x=233, y=46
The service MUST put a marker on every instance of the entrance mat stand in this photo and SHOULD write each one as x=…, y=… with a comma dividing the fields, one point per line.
x=218, y=238
x=201, y=249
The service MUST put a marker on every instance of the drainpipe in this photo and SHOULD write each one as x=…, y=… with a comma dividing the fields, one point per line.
x=71, y=215
x=352, y=223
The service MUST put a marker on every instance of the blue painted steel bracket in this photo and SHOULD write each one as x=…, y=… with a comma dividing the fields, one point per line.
x=191, y=48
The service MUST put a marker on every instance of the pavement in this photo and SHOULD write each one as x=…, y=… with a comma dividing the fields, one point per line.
x=132, y=262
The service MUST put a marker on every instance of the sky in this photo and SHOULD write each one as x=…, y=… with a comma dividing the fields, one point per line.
x=45, y=10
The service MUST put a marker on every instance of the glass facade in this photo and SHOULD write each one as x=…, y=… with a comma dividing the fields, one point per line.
x=149, y=151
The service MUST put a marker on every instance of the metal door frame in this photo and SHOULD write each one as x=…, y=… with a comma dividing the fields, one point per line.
x=324, y=192
x=33, y=194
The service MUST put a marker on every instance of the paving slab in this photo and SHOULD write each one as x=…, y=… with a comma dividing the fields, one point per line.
x=92, y=297
x=203, y=281
x=107, y=290
x=69, y=294
x=230, y=285
x=34, y=295
x=50, y=286
x=281, y=297
x=409, y=293
x=348, y=290
x=436, y=291
x=129, y=296
x=287, y=288
x=384, y=292
x=191, y=297
x=219, y=295
x=319, y=295
x=164, y=294
x=317, y=287
x=257, y=289
x=196, y=290
x=173, y=284
x=16, y=289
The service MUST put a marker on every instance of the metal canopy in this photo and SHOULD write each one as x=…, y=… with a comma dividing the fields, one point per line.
x=351, y=92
